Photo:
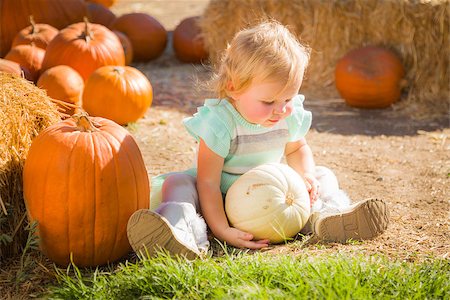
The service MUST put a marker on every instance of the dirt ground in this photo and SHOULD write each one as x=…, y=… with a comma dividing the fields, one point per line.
x=374, y=153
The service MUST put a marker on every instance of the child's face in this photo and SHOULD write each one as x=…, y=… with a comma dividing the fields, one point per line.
x=261, y=104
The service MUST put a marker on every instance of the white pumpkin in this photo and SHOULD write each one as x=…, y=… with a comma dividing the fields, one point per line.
x=270, y=201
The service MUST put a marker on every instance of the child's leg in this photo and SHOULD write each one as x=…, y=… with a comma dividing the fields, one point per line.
x=335, y=219
x=175, y=225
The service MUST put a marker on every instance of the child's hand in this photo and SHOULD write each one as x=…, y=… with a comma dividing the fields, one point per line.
x=241, y=239
x=312, y=185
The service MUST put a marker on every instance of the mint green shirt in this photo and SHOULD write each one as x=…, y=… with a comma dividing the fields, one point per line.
x=243, y=145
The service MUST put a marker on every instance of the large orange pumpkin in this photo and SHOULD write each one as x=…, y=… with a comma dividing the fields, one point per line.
x=84, y=47
x=369, y=77
x=188, y=42
x=82, y=180
x=63, y=83
x=100, y=14
x=147, y=35
x=29, y=57
x=121, y=94
x=15, y=15
x=39, y=34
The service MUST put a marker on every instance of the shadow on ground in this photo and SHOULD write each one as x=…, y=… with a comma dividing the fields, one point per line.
x=333, y=115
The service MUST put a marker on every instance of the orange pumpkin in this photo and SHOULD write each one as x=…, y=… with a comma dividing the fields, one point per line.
x=12, y=67
x=63, y=83
x=29, y=57
x=147, y=35
x=82, y=180
x=15, y=16
x=121, y=94
x=100, y=14
x=105, y=3
x=84, y=47
x=39, y=34
x=127, y=47
x=369, y=77
x=187, y=41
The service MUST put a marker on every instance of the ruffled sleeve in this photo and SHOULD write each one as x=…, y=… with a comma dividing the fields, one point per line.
x=299, y=121
x=211, y=124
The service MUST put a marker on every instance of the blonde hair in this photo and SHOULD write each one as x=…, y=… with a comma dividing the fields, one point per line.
x=267, y=51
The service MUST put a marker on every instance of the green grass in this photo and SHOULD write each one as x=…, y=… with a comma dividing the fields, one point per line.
x=261, y=276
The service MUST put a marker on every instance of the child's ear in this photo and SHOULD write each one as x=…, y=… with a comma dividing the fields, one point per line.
x=230, y=86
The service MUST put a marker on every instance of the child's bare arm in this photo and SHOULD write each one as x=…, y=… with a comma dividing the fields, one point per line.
x=299, y=157
x=208, y=185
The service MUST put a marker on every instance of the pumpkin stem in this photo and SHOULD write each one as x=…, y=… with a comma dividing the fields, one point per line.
x=118, y=70
x=290, y=199
x=33, y=25
x=84, y=123
x=87, y=34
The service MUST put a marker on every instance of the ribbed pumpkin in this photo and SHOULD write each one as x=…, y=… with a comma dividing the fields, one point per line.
x=188, y=41
x=121, y=94
x=39, y=34
x=100, y=14
x=82, y=180
x=269, y=201
x=63, y=83
x=147, y=35
x=15, y=16
x=29, y=57
x=84, y=47
x=369, y=77
x=106, y=3
x=127, y=47
x=12, y=67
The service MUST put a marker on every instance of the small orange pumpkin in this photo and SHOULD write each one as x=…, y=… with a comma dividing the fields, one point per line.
x=39, y=34
x=84, y=47
x=188, y=42
x=82, y=180
x=12, y=67
x=127, y=47
x=147, y=35
x=121, y=94
x=28, y=56
x=63, y=83
x=369, y=77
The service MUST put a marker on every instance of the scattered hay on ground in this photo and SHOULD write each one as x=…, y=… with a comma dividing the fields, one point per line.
x=418, y=30
x=25, y=110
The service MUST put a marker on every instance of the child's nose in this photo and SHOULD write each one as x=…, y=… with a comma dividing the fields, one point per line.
x=280, y=109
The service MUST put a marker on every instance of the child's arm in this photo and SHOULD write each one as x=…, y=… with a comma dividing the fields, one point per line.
x=209, y=172
x=299, y=157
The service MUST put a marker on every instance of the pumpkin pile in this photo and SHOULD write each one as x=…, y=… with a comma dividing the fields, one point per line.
x=269, y=201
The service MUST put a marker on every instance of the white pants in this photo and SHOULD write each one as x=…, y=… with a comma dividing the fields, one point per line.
x=180, y=204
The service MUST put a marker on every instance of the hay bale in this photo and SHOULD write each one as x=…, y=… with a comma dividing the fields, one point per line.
x=25, y=110
x=417, y=30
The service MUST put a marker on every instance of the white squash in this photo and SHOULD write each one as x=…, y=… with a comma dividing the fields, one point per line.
x=269, y=201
